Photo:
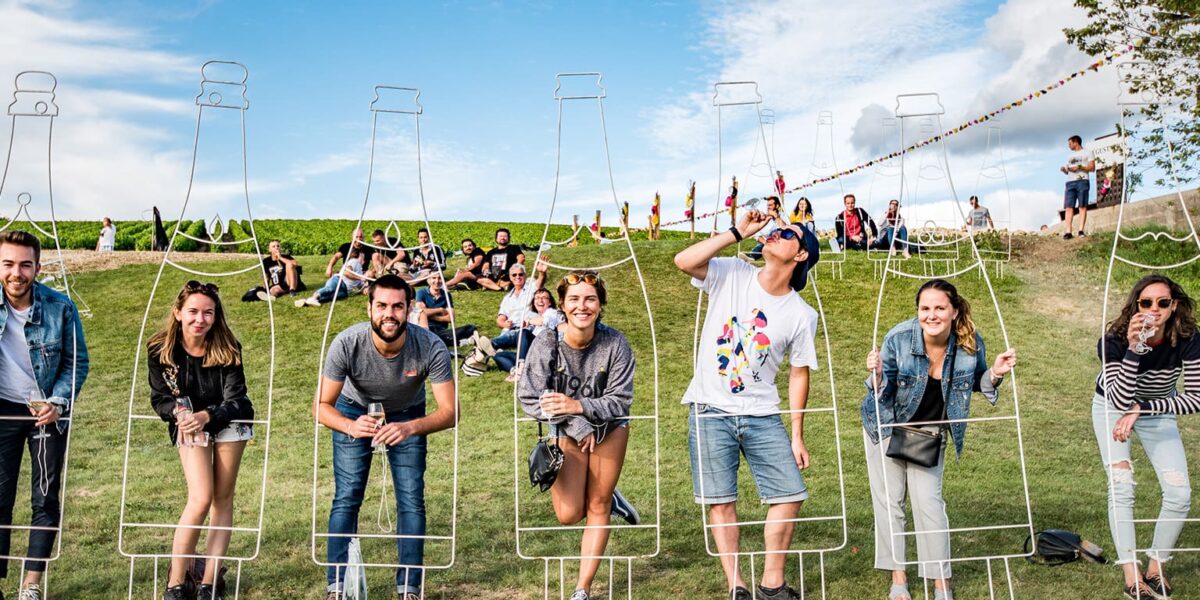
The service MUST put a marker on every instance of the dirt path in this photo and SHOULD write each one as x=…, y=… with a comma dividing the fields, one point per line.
x=1055, y=291
x=81, y=261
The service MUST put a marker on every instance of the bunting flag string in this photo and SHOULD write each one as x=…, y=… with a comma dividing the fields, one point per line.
x=1109, y=59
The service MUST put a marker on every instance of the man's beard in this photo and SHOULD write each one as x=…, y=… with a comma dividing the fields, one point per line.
x=401, y=327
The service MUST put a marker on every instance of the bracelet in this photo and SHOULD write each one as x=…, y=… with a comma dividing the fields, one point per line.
x=737, y=235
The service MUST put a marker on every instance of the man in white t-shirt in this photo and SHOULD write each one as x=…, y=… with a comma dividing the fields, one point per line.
x=1079, y=164
x=755, y=322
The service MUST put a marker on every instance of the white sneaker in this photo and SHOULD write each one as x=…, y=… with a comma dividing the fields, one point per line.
x=264, y=296
x=312, y=301
x=300, y=302
x=580, y=595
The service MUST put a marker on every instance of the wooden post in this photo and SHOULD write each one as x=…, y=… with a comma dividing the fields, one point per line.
x=733, y=212
x=625, y=218
x=691, y=207
x=655, y=211
x=597, y=232
x=575, y=228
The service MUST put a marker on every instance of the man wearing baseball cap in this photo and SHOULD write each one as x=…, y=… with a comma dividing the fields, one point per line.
x=755, y=321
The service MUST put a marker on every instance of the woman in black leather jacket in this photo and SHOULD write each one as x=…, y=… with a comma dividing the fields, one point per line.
x=196, y=361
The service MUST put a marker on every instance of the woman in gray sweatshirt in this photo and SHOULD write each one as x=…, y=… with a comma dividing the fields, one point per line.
x=579, y=378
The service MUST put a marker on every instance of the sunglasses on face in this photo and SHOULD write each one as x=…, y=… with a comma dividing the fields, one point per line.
x=1147, y=303
x=517, y=274
x=587, y=277
x=785, y=234
x=196, y=286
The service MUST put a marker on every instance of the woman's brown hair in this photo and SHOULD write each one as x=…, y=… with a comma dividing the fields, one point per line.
x=964, y=327
x=1182, y=323
x=221, y=348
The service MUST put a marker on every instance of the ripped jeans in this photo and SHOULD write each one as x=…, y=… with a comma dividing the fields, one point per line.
x=1159, y=435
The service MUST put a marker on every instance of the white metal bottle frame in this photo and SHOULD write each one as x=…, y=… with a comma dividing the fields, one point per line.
x=831, y=410
x=909, y=106
x=1135, y=92
x=520, y=475
x=885, y=179
x=994, y=171
x=216, y=93
x=824, y=164
x=32, y=102
x=407, y=103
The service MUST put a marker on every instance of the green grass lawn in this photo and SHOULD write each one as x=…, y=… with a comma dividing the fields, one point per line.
x=1050, y=298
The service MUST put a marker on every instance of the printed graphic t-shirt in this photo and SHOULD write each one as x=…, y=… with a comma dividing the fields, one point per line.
x=1078, y=159
x=500, y=260
x=747, y=334
x=979, y=217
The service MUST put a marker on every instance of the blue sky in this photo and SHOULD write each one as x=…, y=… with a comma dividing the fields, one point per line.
x=128, y=72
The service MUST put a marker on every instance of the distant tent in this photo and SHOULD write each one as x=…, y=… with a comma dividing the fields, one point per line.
x=161, y=241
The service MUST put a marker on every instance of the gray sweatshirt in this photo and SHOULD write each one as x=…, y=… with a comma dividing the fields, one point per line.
x=599, y=376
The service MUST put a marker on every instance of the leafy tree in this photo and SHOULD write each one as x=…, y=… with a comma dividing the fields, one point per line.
x=1166, y=34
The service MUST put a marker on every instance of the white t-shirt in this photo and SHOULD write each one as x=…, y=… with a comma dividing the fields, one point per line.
x=108, y=237
x=355, y=266
x=1079, y=159
x=746, y=332
x=15, y=369
x=514, y=305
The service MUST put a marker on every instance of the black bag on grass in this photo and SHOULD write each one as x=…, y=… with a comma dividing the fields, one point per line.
x=1055, y=547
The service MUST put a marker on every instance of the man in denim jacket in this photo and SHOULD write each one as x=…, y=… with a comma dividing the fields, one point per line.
x=43, y=359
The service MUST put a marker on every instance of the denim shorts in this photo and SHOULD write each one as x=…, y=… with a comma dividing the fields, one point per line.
x=1076, y=195
x=715, y=440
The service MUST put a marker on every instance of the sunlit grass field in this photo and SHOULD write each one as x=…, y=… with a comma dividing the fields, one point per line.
x=1050, y=300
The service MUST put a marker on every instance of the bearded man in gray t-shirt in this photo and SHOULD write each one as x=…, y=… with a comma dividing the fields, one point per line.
x=383, y=361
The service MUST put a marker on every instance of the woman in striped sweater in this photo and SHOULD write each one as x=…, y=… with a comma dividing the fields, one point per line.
x=1143, y=351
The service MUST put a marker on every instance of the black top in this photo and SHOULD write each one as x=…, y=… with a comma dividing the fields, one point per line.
x=1150, y=379
x=429, y=258
x=276, y=270
x=368, y=252
x=477, y=271
x=501, y=259
x=219, y=390
x=933, y=404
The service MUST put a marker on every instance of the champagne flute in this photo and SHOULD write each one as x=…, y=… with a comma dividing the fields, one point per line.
x=375, y=411
x=183, y=409
x=1145, y=334
x=38, y=403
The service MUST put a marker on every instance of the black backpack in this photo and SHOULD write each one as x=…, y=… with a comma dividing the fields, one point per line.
x=1055, y=547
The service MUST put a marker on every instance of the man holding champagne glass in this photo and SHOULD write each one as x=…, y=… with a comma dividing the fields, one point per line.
x=372, y=395
x=43, y=364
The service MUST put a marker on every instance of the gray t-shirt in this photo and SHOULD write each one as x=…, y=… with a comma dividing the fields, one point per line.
x=599, y=376
x=979, y=217
x=16, y=371
x=397, y=382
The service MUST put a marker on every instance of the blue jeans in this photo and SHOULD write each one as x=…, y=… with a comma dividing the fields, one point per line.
x=890, y=234
x=351, y=470
x=1159, y=435
x=1076, y=195
x=331, y=290
x=763, y=440
x=510, y=337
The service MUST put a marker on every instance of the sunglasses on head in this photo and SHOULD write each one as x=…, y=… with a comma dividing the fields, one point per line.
x=785, y=234
x=1146, y=303
x=196, y=286
x=587, y=277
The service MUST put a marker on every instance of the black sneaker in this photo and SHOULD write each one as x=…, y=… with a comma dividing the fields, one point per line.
x=177, y=592
x=1081, y=233
x=740, y=593
x=1067, y=235
x=782, y=592
x=1156, y=583
x=206, y=592
x=1142, y=591
x=622, y=508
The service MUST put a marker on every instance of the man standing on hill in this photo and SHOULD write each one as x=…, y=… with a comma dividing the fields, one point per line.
x=43, y=364
x=498, y=261
x=1079, y=164
x=755, y=321
x=384, y=361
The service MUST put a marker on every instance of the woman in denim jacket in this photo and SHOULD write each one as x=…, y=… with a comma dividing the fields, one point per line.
x=1144, y=351
x=926, y=372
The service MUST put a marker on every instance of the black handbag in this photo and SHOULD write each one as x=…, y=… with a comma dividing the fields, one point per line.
x=916, y=445
x=1055, y=547
x=544, y=462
